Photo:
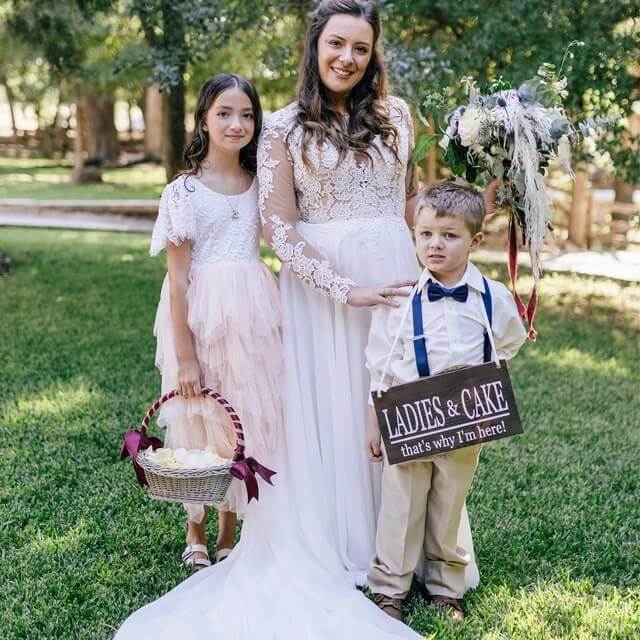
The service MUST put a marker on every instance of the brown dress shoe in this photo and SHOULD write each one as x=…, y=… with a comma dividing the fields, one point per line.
x=391, y=606
x=453, y=606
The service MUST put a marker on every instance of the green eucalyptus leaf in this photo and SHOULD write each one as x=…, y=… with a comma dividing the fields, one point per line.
x=424, y=144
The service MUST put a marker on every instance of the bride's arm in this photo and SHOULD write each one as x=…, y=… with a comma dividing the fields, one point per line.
x=279, y=216
x=411, y=189
x=411, y=183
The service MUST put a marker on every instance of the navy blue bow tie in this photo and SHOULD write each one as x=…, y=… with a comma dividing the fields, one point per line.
x=436, y=292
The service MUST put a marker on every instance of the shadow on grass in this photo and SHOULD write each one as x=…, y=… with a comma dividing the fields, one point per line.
x=559, y=607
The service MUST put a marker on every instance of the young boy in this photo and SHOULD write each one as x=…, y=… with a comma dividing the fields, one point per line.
x=422, y=500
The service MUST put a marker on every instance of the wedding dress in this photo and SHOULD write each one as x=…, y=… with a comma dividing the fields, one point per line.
x=308, y=541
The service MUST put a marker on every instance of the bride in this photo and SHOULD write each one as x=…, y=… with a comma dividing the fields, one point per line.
x=336, y=183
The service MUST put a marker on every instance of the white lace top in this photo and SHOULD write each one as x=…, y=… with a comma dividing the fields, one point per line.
x=325, y=190
x=191, y=211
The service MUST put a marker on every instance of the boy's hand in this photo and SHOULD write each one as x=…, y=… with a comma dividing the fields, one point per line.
x=374, y=450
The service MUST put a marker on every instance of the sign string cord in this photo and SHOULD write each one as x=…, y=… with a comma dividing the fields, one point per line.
x=405, y=313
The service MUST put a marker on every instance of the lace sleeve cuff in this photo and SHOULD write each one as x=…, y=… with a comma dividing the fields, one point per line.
x=317, y=273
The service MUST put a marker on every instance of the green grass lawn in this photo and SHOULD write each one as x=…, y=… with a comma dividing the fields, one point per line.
x=555, y=512
x=51, y=180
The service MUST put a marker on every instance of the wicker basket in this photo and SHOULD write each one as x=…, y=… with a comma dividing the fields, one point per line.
x=196, y=486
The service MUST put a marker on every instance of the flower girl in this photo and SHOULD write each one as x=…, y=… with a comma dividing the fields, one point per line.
x=218, y=320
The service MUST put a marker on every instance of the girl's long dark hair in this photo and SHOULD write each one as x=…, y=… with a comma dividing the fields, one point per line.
x=367, y=103
x=196, y=151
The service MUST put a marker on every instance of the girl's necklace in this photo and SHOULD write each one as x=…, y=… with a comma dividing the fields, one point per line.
x=236, y=214
x=235, y=210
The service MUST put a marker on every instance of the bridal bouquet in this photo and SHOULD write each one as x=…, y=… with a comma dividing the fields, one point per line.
x=512, y=134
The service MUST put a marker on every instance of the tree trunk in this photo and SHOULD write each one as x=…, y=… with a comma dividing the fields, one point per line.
x=620, y=215
x=173, y=113
x=10, y=102
x=580, y=219
x=83, y=172
x=624, y=191
x=621, y=219
x=153, y=123
x=431, y=161
x=101, y=143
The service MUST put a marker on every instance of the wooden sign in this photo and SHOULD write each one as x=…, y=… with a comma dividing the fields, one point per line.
x=445, y=412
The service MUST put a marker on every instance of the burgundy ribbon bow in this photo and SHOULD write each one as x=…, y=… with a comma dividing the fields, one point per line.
x=132, y=443
x=245, y=469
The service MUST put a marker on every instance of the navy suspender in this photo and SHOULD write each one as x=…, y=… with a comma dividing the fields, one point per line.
x=488, y=307
x=419, y=342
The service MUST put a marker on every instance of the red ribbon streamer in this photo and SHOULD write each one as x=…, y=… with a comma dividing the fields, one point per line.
x=531, y=314
x=527, y=313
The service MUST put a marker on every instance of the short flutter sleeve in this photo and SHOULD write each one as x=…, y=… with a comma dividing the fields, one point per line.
x=175, y=221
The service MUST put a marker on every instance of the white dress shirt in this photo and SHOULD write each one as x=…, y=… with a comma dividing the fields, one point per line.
x=453, y=330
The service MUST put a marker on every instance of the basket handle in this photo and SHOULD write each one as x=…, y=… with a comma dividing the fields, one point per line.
x=238, y=453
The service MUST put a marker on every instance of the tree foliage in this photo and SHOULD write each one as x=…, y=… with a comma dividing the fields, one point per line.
x=434, y=44
x=430, y=45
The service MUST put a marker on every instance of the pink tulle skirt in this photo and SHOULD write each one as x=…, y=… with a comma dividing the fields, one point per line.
x=234, y=315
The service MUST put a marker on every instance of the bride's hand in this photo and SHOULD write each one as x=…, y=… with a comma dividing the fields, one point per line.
x=490, y=196
x=372, y=296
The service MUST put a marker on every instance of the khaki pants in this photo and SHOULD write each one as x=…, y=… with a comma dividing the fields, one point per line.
x=421, y=509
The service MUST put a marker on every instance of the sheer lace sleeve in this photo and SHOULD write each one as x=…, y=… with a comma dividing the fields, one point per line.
x=405, y=122
x=174, y=223
x=279, y=216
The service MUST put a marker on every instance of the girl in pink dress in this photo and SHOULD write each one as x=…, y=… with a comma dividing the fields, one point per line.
x=218, y=320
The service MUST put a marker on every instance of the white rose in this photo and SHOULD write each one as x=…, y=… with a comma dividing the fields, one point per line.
x=469, y=126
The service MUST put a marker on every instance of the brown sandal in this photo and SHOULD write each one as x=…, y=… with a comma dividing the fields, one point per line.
x=453, y=606
x=391, y=606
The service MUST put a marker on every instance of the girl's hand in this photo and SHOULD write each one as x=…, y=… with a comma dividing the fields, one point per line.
x=189, y=378
x=372, y=296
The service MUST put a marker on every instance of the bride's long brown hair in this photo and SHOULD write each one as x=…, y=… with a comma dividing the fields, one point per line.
x=367, y=103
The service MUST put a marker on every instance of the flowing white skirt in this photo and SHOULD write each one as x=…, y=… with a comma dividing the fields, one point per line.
x=326, y=397
x=286, y=579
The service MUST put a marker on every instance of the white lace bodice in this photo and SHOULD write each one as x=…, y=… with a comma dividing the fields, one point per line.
x=325, y=190
x=191, y=211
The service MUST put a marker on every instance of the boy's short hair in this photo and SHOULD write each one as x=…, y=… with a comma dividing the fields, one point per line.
x=455, y=199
